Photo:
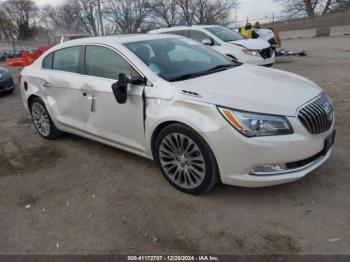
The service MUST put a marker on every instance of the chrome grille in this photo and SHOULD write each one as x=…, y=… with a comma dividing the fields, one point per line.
x=266, y=53
x=317, y=116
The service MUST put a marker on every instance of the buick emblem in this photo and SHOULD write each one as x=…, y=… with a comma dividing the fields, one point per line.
x=329, y=111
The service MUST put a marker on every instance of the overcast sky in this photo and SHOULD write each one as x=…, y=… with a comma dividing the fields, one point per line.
x=248, y=8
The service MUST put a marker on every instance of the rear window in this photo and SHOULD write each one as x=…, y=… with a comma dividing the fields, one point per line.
x=67, y=59
x=225, y=34
x=47, y=62
x=199, y=36
x=178, y=32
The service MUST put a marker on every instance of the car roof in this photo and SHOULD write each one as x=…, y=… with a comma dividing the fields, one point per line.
x=115, y=39
x=182, y=27
x=70, y=35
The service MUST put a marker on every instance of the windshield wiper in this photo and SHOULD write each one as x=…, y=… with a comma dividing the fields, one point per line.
x=206, y=72
x=220, y=67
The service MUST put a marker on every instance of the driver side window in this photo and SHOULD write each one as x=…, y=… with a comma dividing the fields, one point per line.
x=104, y=62
x=198, y=35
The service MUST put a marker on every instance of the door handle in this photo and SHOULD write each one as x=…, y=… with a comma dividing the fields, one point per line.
x=90, y=96
x=47, y=85
x=86, y=92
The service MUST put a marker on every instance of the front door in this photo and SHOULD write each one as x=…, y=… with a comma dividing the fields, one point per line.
x=120, y=123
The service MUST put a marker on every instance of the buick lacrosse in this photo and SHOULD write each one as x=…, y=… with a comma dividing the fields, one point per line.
x=203, y=118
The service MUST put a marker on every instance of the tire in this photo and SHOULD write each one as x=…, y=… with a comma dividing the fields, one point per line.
x=185, y=159
x=42, y=120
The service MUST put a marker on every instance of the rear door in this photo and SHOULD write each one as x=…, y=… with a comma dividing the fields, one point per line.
x=64, y=89
x=121, y=123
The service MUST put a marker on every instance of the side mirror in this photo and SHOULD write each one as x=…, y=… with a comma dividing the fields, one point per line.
x=120, y=89
x=137, y=80
x=208, y=42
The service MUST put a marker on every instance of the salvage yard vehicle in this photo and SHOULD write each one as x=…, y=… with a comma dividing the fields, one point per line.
x=7, y=85
x=189, y=108
x=227, y=42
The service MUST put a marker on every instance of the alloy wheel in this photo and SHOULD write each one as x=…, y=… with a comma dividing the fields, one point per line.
x=182, y=161
x=41, y=119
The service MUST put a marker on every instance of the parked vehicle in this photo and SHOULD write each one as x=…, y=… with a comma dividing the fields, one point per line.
x=7, y=85
x=2, y=56
x=5, y=54
x=227, y=42
x=191, y=109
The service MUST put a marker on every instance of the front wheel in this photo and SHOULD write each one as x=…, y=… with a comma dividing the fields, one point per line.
x=42, y=120
x=185, y=159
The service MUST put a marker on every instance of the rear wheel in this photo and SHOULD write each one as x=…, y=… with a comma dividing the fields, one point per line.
x=185, y=159
x=42, y=120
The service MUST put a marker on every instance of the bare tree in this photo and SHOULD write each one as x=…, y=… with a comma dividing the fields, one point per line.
x=336, y=5
x=214, y=11
x=205, y=11
x=164, y=12
x=310, y=8
x=7, y=28
x=88, y=15
x=63, y=18
x=186, y=9
x=21, y=14
x=127, y=15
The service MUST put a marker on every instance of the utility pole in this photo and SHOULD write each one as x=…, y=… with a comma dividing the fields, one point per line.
x=100, y=16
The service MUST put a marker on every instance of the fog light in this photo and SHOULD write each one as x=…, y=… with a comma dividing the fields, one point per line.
x=268, y=170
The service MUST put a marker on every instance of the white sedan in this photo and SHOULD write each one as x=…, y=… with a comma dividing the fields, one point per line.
x=189, y=108
x=227, y=42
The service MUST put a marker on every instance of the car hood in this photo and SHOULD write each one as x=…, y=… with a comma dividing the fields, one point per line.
x=251, y=88
x=253, y=44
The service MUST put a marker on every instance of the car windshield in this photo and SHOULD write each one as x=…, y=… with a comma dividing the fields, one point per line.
x=176, y=59
x=225, y=34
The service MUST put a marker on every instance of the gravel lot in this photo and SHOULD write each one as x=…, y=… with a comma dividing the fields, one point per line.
x=75, y=196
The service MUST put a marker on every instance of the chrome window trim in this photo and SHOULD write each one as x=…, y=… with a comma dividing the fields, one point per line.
x=53, y=57
x=101, y=45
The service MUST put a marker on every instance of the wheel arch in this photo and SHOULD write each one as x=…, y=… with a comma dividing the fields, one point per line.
x=165, y=124
x=201, y=118
x=30, y=99
x=157, y=130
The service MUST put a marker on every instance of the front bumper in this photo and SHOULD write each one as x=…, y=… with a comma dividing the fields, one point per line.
x=257, y=60
x=237, y=155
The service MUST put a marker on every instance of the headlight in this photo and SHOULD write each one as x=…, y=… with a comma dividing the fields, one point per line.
x=250, y=52
x=253, y=124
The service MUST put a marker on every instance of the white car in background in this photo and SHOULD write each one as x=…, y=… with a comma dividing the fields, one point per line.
x=191, y=109
x=227, y=42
